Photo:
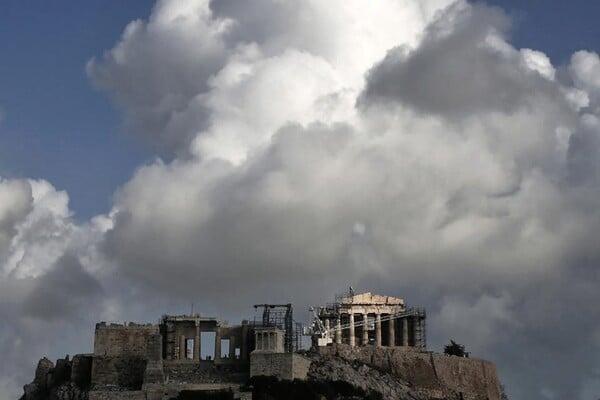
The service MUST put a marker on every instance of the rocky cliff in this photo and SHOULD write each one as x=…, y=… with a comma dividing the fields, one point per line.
x=338, y=372
x=67, y=380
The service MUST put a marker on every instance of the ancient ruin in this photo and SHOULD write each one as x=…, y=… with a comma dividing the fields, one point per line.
x=373, y=319
x=363, y=345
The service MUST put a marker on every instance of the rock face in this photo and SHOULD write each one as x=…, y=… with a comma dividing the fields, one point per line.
x=67, y=380
x=406, y=373
x=379, y=383
x=337, y=372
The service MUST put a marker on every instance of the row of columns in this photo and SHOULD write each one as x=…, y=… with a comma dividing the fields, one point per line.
x=197, y=346
x=266, y=341
x=365, y=333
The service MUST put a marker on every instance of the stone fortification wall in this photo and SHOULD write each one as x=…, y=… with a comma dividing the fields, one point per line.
x=474, y=376
x=61, y=372
x=281, y=365
x=126, y=395
x=203, y=373
x=122, y=340
x=81, y=370
x=118, y=372
x=431, y=374
x=154, y=367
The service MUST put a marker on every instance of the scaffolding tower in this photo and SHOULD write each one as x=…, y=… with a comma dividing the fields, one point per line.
x=282, y=317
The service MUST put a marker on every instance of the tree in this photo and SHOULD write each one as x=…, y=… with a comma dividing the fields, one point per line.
x=455, y=349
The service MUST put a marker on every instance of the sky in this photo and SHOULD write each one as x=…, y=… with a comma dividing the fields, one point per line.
x=55, y=125
x=443, y=151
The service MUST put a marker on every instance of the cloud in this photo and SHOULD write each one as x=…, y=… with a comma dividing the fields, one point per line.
x=65, y=291
x=166, y=101
x=584, y=151
x=15, y=202
x=153, y=91
x=458, y=172
x=43, y=284
x=37, y=226
x=585, y=71
x=462, y=68
x=455, y=153
x=477, y=321
x=406, y=147
x=54, y=282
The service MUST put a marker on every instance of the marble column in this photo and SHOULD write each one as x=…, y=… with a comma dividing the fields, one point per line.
x=182, y=347
x=197, y=344
x=404, y=331
x=217, y=346
x=352, y=338
x=391, y=332
x=338, y=330
x=365, y=331
x=378, y=330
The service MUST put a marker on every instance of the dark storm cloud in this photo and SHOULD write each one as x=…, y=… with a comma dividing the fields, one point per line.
x=64, y=292
x=258, y=20
x=458, y=70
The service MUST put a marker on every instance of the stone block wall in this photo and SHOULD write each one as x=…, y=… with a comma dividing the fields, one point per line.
x=61, y=372
x=281, y=365
x=118, y=372
x=122, y=340
x=154, y=367
x=81, y=370
x=114, y=395
x=478, y=376
x=431, y=374
x=300, y=366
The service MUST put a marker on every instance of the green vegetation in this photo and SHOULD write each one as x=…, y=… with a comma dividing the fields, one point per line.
x=455, y=349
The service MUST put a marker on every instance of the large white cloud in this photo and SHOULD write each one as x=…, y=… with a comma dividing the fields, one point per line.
x=405, y=147
x=44, y=284
x=444, y=160
x=160, y=66
x=54, y=282
x=585, y=71
x=37, y=226
x=162, y=72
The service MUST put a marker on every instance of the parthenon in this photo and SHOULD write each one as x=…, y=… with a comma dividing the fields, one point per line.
x=363, y=319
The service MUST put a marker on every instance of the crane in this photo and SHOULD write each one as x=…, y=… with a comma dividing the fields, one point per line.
x=317, y=328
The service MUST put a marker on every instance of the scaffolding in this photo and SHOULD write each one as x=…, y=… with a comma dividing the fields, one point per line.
x=282, y=317
x=416, y=315
x=421, y=328
x=346, y=298
x=415, y=318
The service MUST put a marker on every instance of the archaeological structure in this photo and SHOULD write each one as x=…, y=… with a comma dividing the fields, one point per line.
x=364, y=346
x=373, y=319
